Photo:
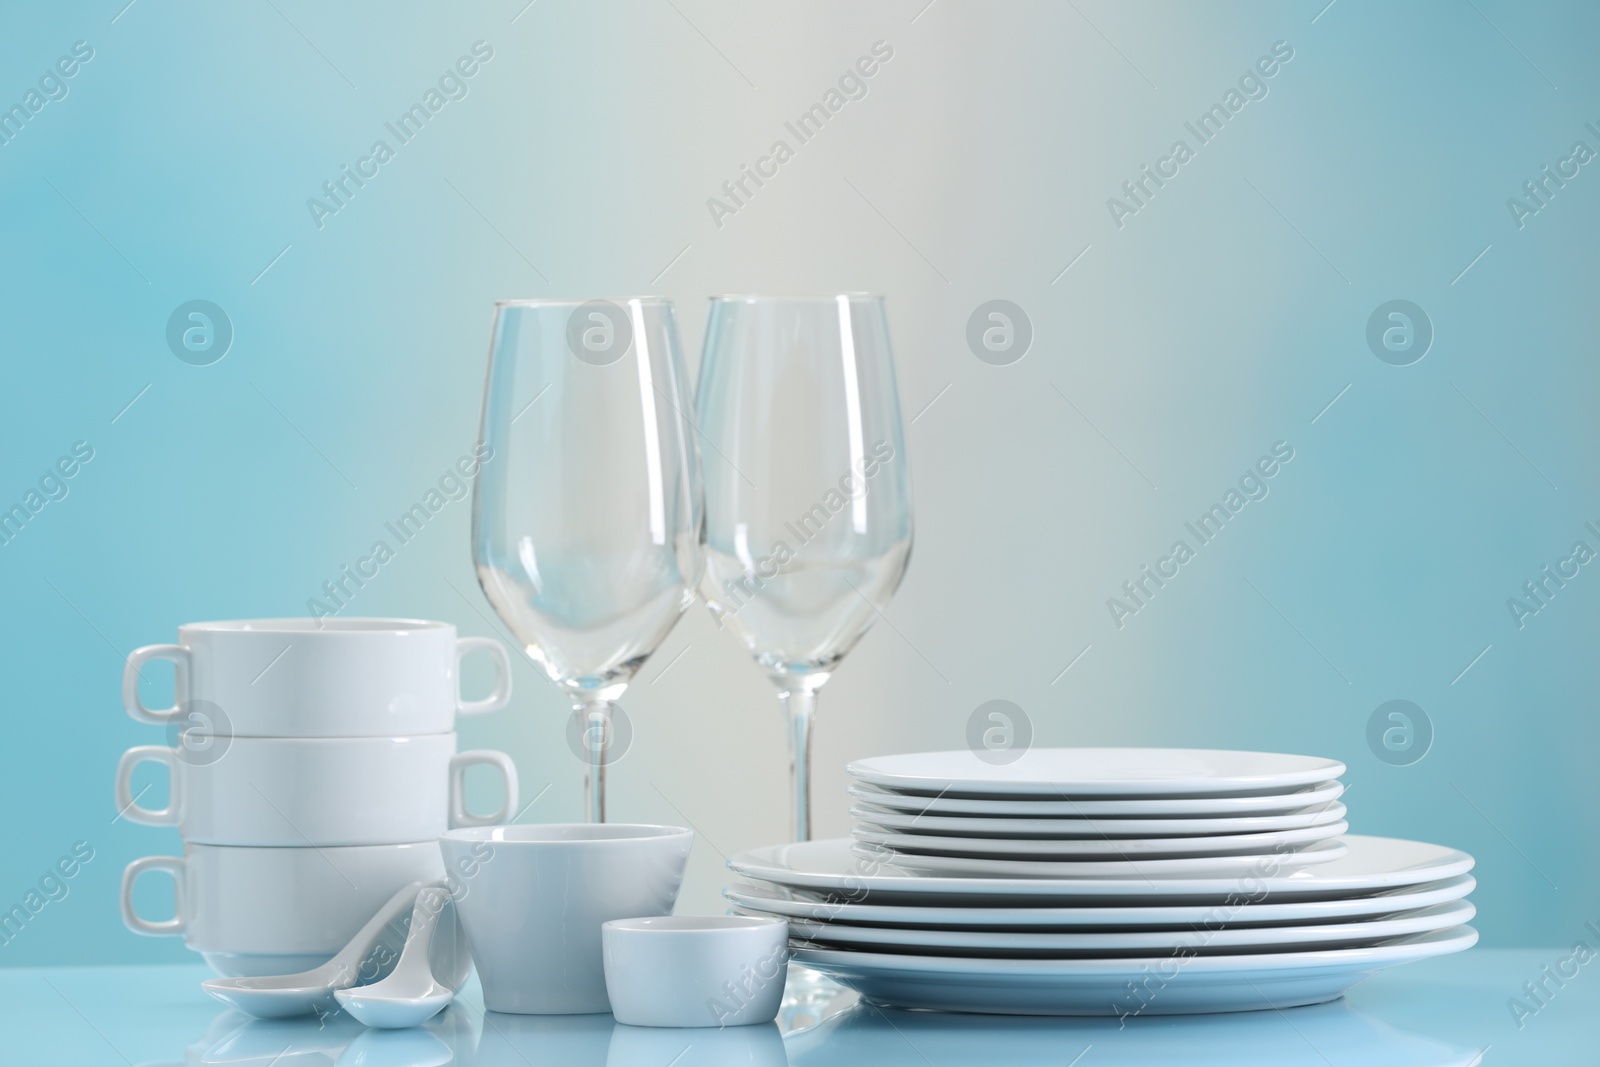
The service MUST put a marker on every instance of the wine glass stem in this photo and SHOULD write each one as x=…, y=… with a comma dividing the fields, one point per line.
x=596, y=745
x=799, y=705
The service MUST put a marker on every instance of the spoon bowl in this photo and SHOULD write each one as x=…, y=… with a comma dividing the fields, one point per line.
x=432, y=966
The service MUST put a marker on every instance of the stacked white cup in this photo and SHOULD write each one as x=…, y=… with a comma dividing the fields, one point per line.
x=312, y=768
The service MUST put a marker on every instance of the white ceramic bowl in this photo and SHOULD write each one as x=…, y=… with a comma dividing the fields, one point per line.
x=236, y=903
x=696, y=970
x=330, y=677
x=532, y=899
x=316, y=791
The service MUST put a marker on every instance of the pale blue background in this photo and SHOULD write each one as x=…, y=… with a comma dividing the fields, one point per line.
x=1220, y=319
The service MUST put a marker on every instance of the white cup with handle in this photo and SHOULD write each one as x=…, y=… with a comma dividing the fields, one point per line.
x=253, y=911
x=318, y=791
x=331, y=677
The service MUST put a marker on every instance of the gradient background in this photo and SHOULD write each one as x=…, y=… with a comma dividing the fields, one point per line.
x=1223, y=317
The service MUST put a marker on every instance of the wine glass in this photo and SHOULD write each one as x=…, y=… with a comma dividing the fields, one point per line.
x=808, y=500
x=587, y=517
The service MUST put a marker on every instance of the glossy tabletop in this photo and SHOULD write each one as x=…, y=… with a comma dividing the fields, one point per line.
x=1457, y=1010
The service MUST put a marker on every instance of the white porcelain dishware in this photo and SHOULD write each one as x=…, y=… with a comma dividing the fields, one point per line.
x=1101, y=848
x=1031, y=944
x=364, y=958
x=695, y=970
x=1072, y=773
x=246, y=910
x=830, y=870
x=330, y=677
x=1310, y=798
x=317, y=791
x=433, y=964
x=764, y=899
x=931, y=865
x=887, y=819
x=532, y=899
x=1124, y=986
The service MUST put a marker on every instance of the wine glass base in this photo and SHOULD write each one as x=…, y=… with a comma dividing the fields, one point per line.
x=807, y=996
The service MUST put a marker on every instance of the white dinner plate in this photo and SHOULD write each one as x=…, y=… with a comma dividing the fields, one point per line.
x=1308, y=799
x=986, y=867
x=830, y=868
x=1163, y=985
x=1002, y=944
x=1101, y=848
x=1118, y=829
x=775, y=900
x=1070, y=773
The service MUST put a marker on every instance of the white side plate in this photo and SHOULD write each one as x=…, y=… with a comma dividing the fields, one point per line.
x=1094, y=870
x=1070, y=773
x=1309, y=798
x=1104, y=848
x=1117, y=829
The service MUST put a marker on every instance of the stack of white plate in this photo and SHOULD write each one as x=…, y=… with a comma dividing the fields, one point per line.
x=1107, y=882
x=1098, y=811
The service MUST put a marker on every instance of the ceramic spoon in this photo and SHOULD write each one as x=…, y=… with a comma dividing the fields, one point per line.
x=280, y=996
x=432, y=967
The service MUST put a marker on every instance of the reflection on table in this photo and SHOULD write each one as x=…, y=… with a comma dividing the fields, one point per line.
x=1424, y=1015
x=853, y=1032
x=1315, y=1036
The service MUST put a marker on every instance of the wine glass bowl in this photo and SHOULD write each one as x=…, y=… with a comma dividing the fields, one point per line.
x=587, y=515
x=808, y=498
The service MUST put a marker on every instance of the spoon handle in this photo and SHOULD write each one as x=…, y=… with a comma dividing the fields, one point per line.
x=444, y=962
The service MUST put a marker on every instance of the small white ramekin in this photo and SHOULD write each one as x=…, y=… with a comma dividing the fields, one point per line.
x=695, y=970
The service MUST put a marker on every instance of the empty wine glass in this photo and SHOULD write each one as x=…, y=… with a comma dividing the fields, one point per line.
x=808, y=500
x=587, y=513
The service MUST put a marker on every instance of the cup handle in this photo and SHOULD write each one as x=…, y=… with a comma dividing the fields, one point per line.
x=459, y=815
x=127, y=803
x=173, y=865
x=502, y=675
x=181, y=662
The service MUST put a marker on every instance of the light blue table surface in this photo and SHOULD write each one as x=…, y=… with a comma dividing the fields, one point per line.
x=1453, y=1010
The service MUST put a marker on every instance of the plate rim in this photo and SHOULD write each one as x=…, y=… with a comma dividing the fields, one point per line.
x=1103, y=870
x=1320, y=769
x=1270, y=801
x=1458, y=887
x=1067, y=888
x=870, y=814
x=1448, y=913
x=1374, y=956
x=945, y=845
